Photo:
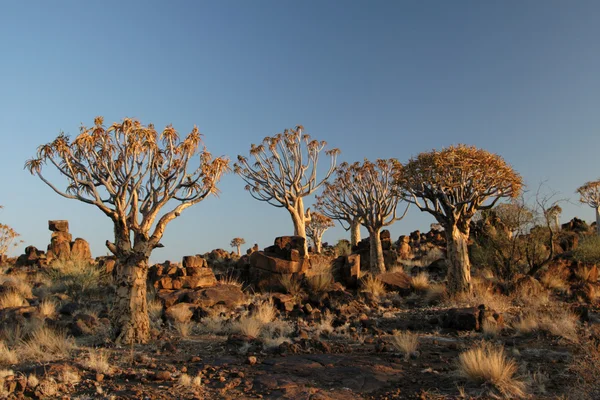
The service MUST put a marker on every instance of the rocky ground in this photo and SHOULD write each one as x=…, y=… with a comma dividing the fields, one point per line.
x=319, y=334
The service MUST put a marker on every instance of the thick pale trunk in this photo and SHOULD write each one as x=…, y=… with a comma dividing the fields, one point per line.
x=376, y=260
x=355, y=232
x=318, y=245
x=598, y=221
x=130, y=311
x=239, y=250
x=459, y=265
x=300, y=223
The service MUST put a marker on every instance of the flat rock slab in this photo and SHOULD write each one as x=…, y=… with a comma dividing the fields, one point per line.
x=299, y=376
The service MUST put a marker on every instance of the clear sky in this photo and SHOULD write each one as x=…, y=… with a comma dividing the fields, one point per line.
x=376, y=79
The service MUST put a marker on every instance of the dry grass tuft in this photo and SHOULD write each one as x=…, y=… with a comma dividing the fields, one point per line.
x=373, y=286
x=291, y=284
x=7, y=356
x=320, y=283
x=249, y=326
x=406, y=342
x=420, y=282
x=265, y=312
x=436, y=294
x=12, y=299
x=180, y=313
x=554, y=282
x=69, y=376
x=32, y=381
x=183, y=328
x=481, y=293
x=231, y=280
x=46, y=344
x=47, y=309
x=526, y=324
x=490, y=329
x=488, y=364
x=97, y=361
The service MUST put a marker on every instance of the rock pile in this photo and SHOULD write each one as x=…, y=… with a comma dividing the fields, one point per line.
x=286, y=257
x=62, y=247
x=192, y=273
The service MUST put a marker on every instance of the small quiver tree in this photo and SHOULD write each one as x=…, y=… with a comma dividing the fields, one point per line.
x=131, y=173
x=316, y=227
x=328, y=205
x=453, y=184
x=285, y=172
x=368, y=191
x=7, y=238
x=589, y=194
x=237, y=243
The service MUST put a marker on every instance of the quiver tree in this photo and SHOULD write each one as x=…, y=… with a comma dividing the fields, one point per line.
x=316, y=227
x=284, y=171
x=131, y=173
x=453, y=184
x=7, y=237
x=589, y=194
x=330, y=207
x=368, y=191
x=237, y=243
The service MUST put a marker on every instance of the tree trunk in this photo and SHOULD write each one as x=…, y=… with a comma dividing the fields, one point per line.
x=355, y=232
x=130, y=311
x=376, y=260
x=459, y=265
x=239, y=250
x=317, y=240
x=300, y=223
x=598, y=221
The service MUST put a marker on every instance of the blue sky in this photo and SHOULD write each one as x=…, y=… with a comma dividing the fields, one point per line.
x=376, y=79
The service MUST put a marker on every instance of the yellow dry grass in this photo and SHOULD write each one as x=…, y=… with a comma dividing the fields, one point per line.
x=248, y=326
x=420, y=282
x=406, y=342
x=97, y=360
x=373, y=286
x=7, y=356
x=12, y=299
x=489, y=365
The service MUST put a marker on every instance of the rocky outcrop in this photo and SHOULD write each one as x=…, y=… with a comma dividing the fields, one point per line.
x=286, y=257
x=62, y=247
x=191, y=274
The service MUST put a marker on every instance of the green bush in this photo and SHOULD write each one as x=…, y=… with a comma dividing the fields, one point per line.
x=588, y=250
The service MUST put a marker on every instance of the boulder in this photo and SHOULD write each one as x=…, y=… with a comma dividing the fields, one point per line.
x=58, y=225
x=80, y=250
x=230, y=296
x=193, y=262
x=395, y=280
x=274, y=264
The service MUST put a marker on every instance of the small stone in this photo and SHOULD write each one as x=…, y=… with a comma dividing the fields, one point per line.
x=99, y=377
x=162, y=376
x=252, y=360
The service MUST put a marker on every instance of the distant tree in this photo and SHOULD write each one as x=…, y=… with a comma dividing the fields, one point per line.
x=7, y=237
x=316, y=227
x=285, y=172
x=589, y=194
x=554, y=214
x=368, y=191
x=452, y=184
x=237, y=242
x=131, y=172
